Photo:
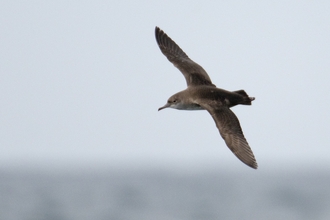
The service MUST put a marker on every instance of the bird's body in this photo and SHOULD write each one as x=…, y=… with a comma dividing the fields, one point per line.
x=192, y=96
x=202, y=94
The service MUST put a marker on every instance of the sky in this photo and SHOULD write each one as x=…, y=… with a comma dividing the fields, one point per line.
x=81, y=82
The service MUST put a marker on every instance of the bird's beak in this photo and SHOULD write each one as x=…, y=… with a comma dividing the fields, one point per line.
x=165, y=106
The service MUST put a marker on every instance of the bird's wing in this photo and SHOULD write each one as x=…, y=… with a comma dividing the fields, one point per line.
x=194, y=73
x=231, y=131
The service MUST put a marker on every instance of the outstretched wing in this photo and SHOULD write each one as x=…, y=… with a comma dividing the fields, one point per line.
x=193, y=73
x=231, y=131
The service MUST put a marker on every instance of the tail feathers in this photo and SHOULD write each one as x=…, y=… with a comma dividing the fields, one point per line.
x=241, y=92
x=246, y=99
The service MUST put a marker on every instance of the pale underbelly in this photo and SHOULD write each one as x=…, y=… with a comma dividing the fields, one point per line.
x=191, y=107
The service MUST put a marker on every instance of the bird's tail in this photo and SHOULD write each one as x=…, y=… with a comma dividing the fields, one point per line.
x=246, y=99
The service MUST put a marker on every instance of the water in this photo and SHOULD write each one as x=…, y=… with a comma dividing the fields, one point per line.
x=125, y=195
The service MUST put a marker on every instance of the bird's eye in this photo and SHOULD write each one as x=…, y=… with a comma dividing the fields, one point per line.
x=174, y=101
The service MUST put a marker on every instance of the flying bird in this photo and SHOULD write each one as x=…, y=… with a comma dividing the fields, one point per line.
x=202, y=94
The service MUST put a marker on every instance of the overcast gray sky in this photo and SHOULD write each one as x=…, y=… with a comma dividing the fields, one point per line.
x=81, y=82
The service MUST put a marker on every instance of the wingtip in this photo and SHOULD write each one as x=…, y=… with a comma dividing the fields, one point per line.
x=157, y=30
x=158, y=34
x=253, y=165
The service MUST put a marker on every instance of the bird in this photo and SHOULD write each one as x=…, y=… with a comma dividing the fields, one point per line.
x=202, y=94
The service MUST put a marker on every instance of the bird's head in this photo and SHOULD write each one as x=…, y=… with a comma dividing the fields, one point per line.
x=173, y=102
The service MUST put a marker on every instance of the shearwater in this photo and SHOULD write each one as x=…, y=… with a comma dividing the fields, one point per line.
x=202, y=94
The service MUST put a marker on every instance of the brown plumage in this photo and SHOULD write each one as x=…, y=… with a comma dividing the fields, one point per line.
x=202, y=94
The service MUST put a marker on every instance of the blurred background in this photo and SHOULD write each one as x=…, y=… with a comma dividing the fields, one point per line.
x=81, y=137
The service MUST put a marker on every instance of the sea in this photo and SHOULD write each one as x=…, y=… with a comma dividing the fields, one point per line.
x=157, y=194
